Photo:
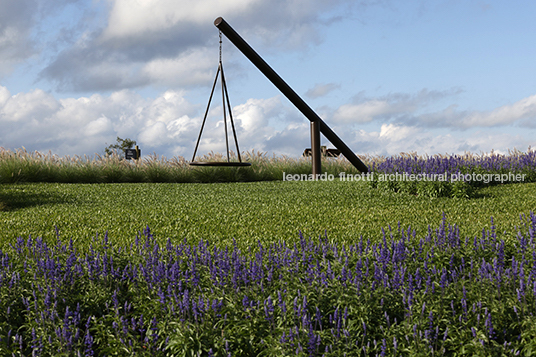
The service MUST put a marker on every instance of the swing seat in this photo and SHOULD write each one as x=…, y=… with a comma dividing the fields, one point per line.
x=220, y=163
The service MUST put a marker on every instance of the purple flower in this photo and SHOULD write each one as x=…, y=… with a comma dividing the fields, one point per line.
x=489, y=326
x=384, y=347
x=88, y=343
x=269, y=308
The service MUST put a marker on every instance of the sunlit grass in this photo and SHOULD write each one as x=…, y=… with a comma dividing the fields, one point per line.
x=247, y=212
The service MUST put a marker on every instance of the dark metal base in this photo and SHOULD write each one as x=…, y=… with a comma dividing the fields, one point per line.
x=220, y=163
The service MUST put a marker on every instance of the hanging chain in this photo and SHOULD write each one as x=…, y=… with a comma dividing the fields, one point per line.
x=220, y=46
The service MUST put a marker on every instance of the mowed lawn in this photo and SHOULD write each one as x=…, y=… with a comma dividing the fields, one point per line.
x=247, y=212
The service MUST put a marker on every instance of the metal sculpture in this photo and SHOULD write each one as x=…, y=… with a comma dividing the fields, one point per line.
x=317, y=124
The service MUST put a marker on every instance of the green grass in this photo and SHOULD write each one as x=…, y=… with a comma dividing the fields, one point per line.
x=221, y=213
x=246, y=212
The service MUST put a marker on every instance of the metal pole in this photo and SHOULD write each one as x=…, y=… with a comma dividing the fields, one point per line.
x=224, y=114
x=315, y=149
x=294, y=98
x=230, y=114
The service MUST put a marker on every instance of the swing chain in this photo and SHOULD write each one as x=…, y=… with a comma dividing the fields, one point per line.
x=220, y=45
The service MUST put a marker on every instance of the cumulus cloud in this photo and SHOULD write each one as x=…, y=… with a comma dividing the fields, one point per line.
x=98, y=126
x=277, y=22
x=411, y=109
x=253, y=115
x=524, y=109
x=24, y=106
x=368, y=111
x=152, y=19
x=393, y=139
x=521, y=113
x=169, y=125
x=165, y=42
x=76, y=126
x=192, y=66
x=364, y=109
x=5, y=95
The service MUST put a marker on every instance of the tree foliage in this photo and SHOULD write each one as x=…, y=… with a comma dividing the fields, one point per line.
x=120, y=146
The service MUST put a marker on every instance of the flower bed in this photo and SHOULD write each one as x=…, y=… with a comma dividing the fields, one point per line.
x=406, y=295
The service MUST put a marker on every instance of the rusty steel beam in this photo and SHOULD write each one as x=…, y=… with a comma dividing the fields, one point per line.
x=291, y=95
x=315, y=149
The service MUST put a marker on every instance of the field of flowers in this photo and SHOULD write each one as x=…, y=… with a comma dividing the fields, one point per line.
x=405, y=295
x=453, y=175
x=231, y=268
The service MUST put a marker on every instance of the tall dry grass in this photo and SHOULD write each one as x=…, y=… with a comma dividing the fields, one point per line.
x=25, y=166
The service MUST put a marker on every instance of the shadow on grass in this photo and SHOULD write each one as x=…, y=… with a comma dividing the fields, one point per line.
x=12, y=199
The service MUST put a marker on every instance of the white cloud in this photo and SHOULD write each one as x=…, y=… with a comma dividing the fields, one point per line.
x=141, y=18
x=521, y=113
x=85, y=125
x=165, y=42
x=392, y=139
x=23, y=107
x=504, y=115
x=194, y=67
x=169, y=125
x=101, y=125
x=253, y=115
x=388, y=107
x=5, y=95
x=393, y=132
x=410, y=109
x=13, y=48
x=273, y=21
x=154, y=133
x=320, y=90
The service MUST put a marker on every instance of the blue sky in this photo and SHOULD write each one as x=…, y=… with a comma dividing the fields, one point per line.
x=432, y=77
